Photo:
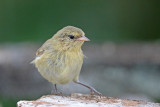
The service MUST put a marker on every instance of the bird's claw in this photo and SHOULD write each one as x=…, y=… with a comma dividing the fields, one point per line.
x=91, y=93
x=95, y=92
x=56, y=93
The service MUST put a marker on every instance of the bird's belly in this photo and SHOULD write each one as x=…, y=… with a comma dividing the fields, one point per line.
x=58, y=78
x=60, y=72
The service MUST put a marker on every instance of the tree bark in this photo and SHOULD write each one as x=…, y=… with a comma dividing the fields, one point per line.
x=83, y=100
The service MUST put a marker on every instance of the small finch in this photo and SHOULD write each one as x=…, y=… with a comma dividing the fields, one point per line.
x=59, y=59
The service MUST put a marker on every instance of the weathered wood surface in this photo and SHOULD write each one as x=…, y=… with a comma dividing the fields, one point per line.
x=83, y=100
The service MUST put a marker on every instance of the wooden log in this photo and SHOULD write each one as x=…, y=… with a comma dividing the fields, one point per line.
x=83, y=100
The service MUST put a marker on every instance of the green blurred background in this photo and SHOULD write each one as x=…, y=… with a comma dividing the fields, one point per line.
x=102, y=20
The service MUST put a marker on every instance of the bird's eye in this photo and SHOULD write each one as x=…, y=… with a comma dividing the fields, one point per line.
x=71, y=36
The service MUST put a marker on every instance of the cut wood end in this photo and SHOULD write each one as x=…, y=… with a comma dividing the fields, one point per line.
x=82, y=100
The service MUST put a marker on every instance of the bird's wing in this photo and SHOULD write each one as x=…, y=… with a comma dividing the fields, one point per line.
x=43, y=48
x=40, y=51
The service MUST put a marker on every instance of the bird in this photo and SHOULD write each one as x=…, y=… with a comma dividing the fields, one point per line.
x=60, y=58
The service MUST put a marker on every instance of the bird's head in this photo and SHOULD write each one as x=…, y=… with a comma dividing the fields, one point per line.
x=70, y=37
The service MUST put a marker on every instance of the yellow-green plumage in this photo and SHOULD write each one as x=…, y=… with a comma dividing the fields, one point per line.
x=59, y=59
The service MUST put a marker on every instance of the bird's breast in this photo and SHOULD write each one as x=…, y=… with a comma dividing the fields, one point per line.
x=60, y=68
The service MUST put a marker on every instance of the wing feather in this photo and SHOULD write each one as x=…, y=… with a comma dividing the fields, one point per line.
x=46, y=46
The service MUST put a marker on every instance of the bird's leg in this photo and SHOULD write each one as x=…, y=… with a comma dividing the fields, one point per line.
x=56, y=91
x=55, y=86
x=89, y=87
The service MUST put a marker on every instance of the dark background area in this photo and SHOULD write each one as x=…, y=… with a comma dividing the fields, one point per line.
x=124, y=46
x=104, y=20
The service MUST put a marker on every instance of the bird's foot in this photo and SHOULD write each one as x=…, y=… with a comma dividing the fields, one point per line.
x=93, y=91
x=56, y=93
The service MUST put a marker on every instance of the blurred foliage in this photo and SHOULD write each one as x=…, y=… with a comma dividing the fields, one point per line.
x=8, y=102
x=157, y=100
x=111, y=20
x=12, y=102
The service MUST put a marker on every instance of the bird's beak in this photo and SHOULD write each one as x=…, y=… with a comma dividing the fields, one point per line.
x=83, y=38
